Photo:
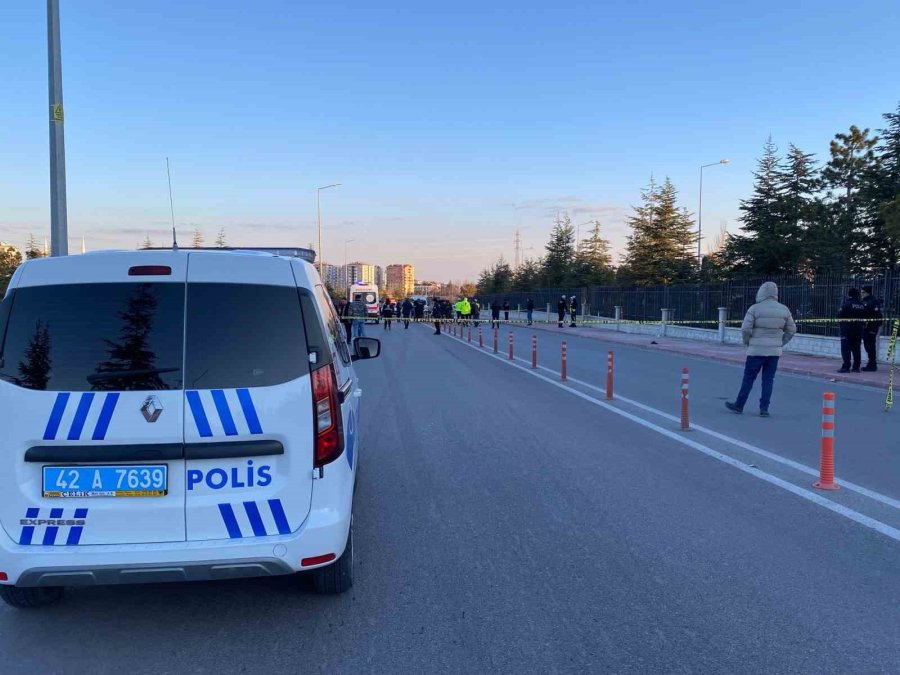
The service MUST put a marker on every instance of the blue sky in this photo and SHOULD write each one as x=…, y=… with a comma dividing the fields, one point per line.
x=435, y=119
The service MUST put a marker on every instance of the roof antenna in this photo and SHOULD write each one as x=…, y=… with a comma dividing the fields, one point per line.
x=171, y=207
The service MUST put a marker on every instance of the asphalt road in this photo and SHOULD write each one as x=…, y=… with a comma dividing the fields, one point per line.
x=506, y=524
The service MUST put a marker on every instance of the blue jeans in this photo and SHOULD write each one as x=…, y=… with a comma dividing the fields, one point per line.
x=768, y=365
x=359, y=328
x=530, y=315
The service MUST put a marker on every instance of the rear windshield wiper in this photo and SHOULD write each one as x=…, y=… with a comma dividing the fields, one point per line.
x=128, y=374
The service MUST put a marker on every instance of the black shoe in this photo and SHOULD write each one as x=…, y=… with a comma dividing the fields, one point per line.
x=871, y=368
x=733, y=407
x=763, y=413
x=572, y=325
x=855, y=369
x=844, y=369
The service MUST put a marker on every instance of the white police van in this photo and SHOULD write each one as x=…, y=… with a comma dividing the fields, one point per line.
x=174, y=416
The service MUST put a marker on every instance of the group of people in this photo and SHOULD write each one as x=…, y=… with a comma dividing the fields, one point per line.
x=861, y=318
x=768, y=326
x=406, y=311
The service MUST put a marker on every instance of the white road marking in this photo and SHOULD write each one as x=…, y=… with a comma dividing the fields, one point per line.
x=678, y=437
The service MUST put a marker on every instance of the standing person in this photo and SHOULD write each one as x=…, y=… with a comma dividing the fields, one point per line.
x=768, y=326
x=573, y=309
x=505, y=309
x=419, y=310
x=529, y=308
x=466, y=311
x=459, y=310
x=561, y=308
x=357, y=309
x=407, y=310
x=852, y=312
x=870, y=331
x=387, y=313
x=346, y=322
x=495, y=314
x=437, y=313
x=476, y=311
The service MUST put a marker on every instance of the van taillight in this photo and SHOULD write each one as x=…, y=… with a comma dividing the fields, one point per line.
x=329, y=427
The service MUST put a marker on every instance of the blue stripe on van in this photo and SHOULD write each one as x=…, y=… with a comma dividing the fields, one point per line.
x=224, y=412
x=278, y=514
x=50, y=532
x=106, y=413
x=59, y=407
x=259, y=530
x=230, y=521
x=200, y=420
x=249, y=411
x=81, y=413
x=28, y=530
x=75, y=531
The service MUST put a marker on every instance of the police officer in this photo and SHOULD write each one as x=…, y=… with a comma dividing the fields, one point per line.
x=852, y=312
x=476, y=310
x=495, y=313
x=870, y=331
x=529, y=307
x=419, y=310
x=561, y=308
x=406, y=309
x=573, y=309
x=437, y=313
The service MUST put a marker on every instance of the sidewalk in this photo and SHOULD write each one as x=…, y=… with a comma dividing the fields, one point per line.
x=813, y=366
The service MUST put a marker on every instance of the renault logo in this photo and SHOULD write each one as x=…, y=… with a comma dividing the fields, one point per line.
x=152, y=409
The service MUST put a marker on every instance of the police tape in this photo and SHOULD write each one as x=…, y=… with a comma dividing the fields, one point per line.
x=595, y=322
x=892, y=359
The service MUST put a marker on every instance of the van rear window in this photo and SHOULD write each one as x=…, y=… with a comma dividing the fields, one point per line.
x=243, y=335
x=131, y=337
x=94, y=337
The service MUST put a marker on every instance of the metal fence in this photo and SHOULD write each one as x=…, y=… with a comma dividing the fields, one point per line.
x=819, y=297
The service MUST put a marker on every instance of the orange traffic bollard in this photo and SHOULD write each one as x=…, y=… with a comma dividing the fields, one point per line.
x=685, y=416
x=510, y=346
x=480, y=337
x=609, y=376
x=534, y=351
x=826, y=465
x=562, y=365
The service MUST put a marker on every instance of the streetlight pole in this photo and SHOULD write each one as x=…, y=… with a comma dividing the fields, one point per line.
x=700, y=210
x=319, y=221
x=59, y=227
x=346, y=276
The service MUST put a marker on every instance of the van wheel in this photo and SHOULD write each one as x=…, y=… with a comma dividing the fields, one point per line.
x=338, y=576
x=25, y=598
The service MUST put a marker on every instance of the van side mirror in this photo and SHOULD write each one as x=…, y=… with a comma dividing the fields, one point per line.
x=366, y=348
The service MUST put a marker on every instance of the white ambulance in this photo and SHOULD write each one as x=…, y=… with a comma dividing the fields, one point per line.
x=174, y=416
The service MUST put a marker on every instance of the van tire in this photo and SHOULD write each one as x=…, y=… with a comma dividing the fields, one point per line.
x=27, y=598
x=337, y=577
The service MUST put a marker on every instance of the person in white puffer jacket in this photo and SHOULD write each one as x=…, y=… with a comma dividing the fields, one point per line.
x=768, y=326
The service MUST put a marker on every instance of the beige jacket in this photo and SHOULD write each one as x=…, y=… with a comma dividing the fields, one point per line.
x=768, y=325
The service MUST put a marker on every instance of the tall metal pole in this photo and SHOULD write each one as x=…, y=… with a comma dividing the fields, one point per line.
x=59, y=226
x=700, y=210
x=319, y=257
x=700, y=220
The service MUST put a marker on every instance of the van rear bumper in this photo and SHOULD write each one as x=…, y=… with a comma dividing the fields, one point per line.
x=325, y=531
x=152, y=574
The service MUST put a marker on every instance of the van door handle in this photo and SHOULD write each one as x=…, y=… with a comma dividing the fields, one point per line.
x=344, y=391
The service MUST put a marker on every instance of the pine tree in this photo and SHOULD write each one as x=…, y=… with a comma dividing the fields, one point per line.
x=560, y=256
x=593, y=261
x=33, y=249
x=197, y=240
x=528, y=276
x=503, y=276
x=759, y=250
x=10, y=259
x=660, y=248
x=801, y=210
x=220, y=239
x=852, y=161
x=882, y=195
x=147, y=243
